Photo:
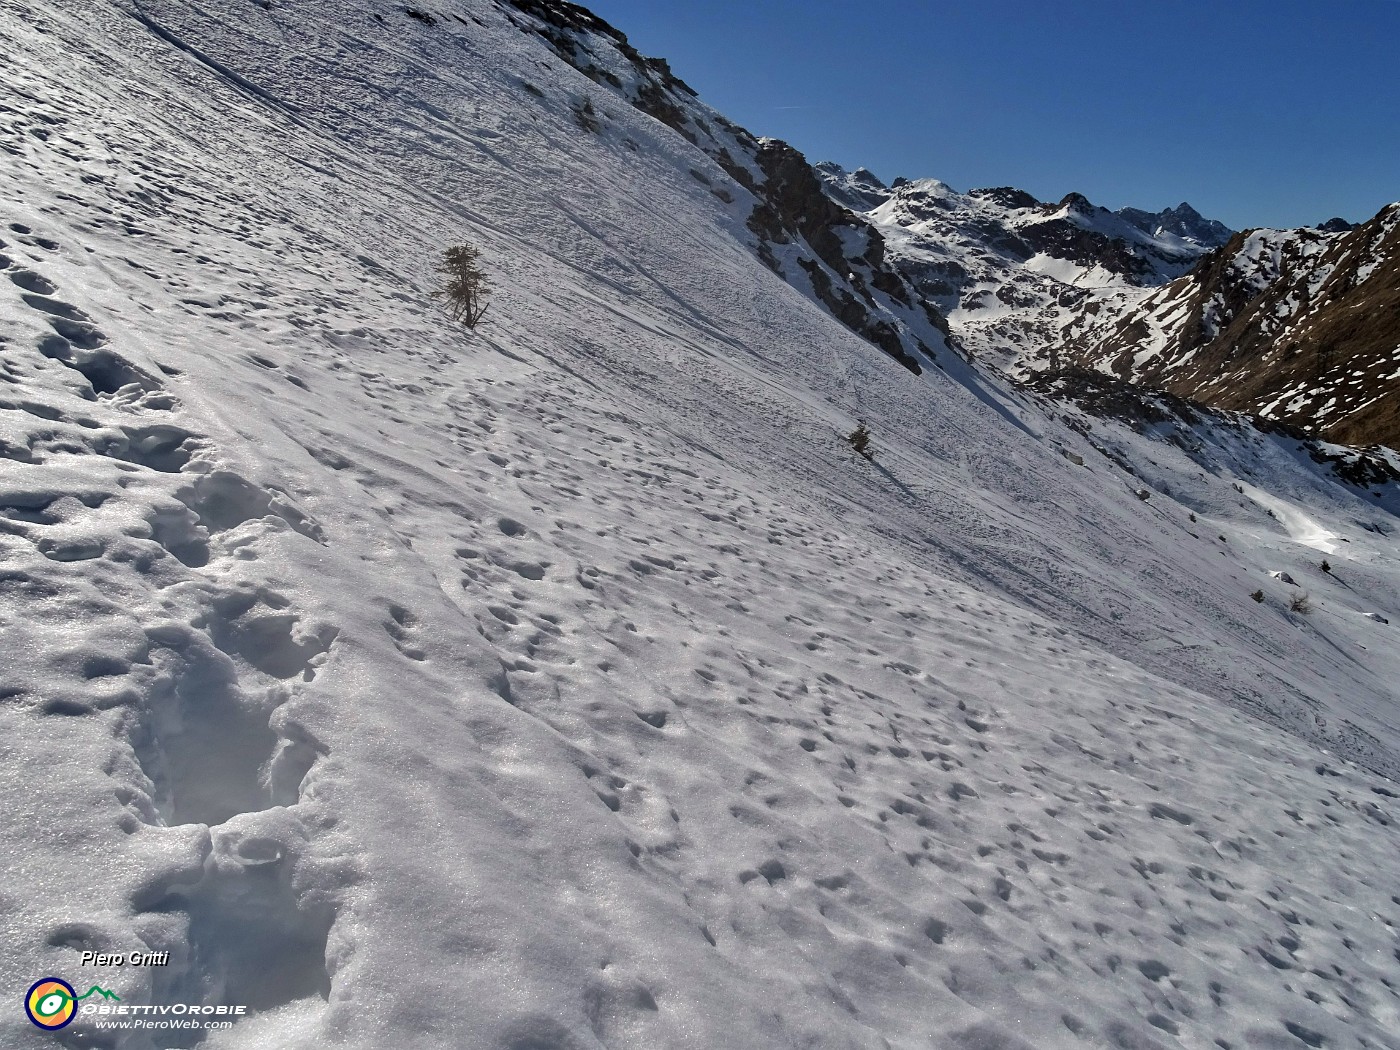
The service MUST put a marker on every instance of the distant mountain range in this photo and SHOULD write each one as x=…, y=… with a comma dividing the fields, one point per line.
x=1010, y=271
x=1301, y=325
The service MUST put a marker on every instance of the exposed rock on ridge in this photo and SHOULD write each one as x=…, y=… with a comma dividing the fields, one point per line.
x=800, y=233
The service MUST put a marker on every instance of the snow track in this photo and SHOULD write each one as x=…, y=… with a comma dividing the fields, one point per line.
x=569, y=684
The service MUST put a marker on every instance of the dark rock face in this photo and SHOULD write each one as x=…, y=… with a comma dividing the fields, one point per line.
x=1007, y=197
x=793, y=199
x=1062, y=239
x=1000, y=239
x=559, y=14
x=841, y=254
x=942, y=280
x=1074, y=201
x=1183, y=221
x=1299, y=325
x=792, y=204
x=1336, y=225
x=1110, y=398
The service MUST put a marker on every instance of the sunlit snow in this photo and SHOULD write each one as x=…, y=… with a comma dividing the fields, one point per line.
x=569, y=684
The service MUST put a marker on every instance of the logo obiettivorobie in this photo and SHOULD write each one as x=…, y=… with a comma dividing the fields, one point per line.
x=52, y=1003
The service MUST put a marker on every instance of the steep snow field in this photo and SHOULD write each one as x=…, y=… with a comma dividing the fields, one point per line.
x=569, y=684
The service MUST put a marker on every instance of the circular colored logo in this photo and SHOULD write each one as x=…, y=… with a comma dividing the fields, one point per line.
x=51, y=1003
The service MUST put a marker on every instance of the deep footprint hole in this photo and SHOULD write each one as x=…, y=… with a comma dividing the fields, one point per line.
x=164, y=448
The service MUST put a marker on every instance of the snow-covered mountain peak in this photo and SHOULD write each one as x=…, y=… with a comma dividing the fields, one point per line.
x=1336, y=224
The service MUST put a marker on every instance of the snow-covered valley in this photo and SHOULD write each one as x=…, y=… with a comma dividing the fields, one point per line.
x=569, y=684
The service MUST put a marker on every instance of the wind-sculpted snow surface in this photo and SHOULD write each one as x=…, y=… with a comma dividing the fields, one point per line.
x=570, y=684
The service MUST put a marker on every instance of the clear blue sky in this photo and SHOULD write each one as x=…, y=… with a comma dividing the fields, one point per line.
x=1258, y=112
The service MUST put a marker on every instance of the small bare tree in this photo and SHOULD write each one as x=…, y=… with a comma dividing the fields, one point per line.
x=467, y=288
x=859, y=439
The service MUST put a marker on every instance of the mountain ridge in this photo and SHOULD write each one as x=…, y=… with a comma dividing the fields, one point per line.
x=1300, y=325
x=790, y=212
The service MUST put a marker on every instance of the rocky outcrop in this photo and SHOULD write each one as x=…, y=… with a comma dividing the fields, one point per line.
x=1182, y=221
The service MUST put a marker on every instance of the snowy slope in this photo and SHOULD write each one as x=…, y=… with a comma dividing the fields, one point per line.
x=1013, y=273
x=835, y=256
x=569, y=684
